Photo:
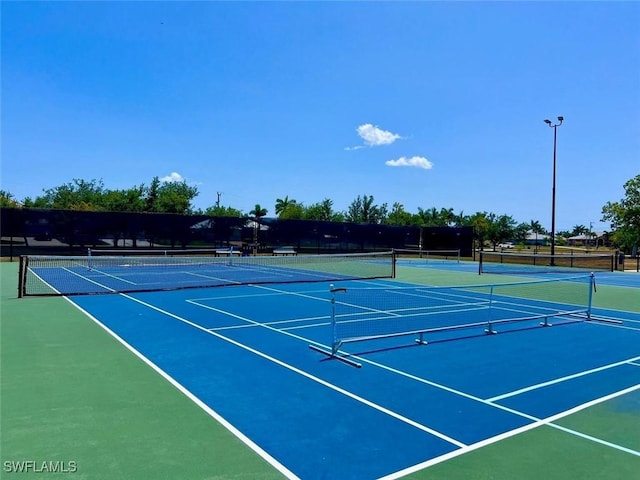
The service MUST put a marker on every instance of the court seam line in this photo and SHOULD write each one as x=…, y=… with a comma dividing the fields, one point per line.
x=187, y=393
x=561, y=379
x=307, y=375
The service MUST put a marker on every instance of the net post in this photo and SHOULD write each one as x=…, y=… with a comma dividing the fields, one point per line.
x=480, y=262
x=230, y=262
x=592, y=288
x=489, y=330
x=89, y=258
x=335, y=341
x=21, y=269
x=394, y=257
x=334, y=330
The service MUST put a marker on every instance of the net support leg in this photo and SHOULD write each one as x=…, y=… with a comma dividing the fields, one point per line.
x=421, y=340
x=490, y=330
x=333, y=353
x=546, y=323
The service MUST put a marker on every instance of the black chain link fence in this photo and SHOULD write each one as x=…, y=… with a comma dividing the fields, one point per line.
x=69, y=232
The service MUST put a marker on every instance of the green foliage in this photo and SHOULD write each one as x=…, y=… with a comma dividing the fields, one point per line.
x=320, y=211
x=624, y=216
x=167, y=197
x=177, y=197
x=7, y=200
x=520, y=232
x=289, y=209
x=363, y=210
x=76, y=195
x=221, y=211
x=399, y=216
x=170, y=197
x=258, y=212
x=500, y=228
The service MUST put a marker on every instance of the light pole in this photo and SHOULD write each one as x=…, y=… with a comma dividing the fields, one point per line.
x=553, y=189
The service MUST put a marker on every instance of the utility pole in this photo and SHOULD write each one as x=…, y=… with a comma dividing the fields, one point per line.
x=218, y=201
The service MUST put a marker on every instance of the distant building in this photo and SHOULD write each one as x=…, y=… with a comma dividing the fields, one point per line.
x=537, y=239
x=593, y=239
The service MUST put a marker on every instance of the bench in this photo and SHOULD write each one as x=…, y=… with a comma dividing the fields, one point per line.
x=225, y=252
x=284, y=251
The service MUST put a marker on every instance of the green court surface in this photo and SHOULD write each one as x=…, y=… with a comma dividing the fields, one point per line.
x=71, y=393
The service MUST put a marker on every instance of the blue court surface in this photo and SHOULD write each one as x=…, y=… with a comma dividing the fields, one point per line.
x=242, y=354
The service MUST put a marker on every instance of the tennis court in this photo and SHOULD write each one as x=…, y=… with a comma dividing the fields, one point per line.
x=486, y=377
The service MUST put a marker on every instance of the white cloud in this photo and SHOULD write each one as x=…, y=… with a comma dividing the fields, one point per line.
x=374, y=136
x=418, y=162
x=173, y=177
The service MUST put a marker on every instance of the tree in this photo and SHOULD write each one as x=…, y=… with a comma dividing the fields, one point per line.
x=129, y=200
x=399, y=216
x=76, y=195
x=363, y=210
x=520, y=232
x=579, y=230
x=624, y=216
x=257, y=213
x=282, y=204
x=480, y=224
x=289, y=208
x=446, y=217
x=322, y=211
x=501, y=228
x=430, y=218
x=170, y=197
x=221, y=211
x=7, y=200
x=537, y=229
x=152, y=195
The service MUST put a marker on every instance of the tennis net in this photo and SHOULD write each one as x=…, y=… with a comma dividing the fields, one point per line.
x=91, y=274
x=427, y=256
x=442, y=313
x=514, y=263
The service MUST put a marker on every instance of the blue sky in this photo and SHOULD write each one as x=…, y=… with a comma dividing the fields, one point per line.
x=429, y=104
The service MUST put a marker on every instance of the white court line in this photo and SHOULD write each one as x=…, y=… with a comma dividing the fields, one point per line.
x=535, y=421
x=287, y=366
x=463, y=448
x=212, y=413
x=531, y=426
x=90, y=281
x=561, y=379
x=104, y=274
